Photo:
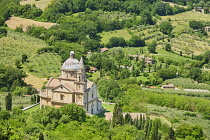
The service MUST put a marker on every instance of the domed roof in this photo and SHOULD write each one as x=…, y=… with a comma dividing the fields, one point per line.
x=71, y=63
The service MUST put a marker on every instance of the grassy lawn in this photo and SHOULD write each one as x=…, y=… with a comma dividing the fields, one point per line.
x=108, y=108
x=117, y=33
x=95, y=76
x=33, y=109
x=163, y=53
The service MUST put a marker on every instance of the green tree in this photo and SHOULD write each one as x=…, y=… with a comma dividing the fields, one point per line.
x=74, y=112
x=108, y=89
x=166, y=27
x=41, y=136
x=8, y=101
x=18, y=64
x=24, y=58
x=146, y=17
x=117, y=118
x=3, y=32
x=171, y=134
x=168, y=47
x=196, y=24
x=184, y=130
x=195, y=73
x=152, y=47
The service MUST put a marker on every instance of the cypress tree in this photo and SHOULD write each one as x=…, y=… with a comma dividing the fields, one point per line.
x=8, y=101
x=117, y=115
x=171, y=134
x=41, y=136
x=140, y=122
x=128, y=119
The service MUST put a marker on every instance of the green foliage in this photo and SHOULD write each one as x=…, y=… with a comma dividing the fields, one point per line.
x=187, y=83
x=117, y=118
x=8, y=101
x=135, y=41
x=146, y=17
x=168, y=47
x=196, y=24
x=74, y=112
x=166, y=27
x=3, y=32
x=108, y=89
x=9, y=75
x=167, y=73
x=152, y=47
x=185, y=130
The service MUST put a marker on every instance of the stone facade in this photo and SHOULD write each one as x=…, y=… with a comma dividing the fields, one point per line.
x=71, y=87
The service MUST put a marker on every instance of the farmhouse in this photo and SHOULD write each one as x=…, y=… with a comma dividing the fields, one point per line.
x=168, y=86
x=207, y=29
x=149, y=60
x=103, y=50
x=93, y=69
x=71, y=87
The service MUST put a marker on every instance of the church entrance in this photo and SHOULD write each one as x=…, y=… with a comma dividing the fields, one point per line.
x=92, y=111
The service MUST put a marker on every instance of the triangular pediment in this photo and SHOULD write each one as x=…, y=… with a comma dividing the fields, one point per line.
x=62, y=88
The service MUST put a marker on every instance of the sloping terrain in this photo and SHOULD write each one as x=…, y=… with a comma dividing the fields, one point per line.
x=42, y=4
x=14, y=22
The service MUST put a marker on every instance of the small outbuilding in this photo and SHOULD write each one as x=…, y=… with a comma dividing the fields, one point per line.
x=168, y=86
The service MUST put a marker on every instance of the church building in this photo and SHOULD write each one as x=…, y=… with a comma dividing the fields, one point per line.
x=71, y=87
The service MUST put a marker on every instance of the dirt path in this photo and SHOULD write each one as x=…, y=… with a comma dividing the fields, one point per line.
x=35, y=81
x=14, y=22
x=163, y=119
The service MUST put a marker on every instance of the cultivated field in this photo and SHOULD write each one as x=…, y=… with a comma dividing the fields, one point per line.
x=180, y=21
x=44, y=65
x=14, y=22
x=42, y=4
x=17, y=101
x=14, y=45
x=148, y=33
x=189, y=44
x=177, y=117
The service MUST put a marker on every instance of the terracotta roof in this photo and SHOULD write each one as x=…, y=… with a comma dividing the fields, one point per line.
x=148, y=59
x=104, y=49
x=53, y=82
x=169, y=85
x=93, y=68
x=69, y=86
x=134, y=55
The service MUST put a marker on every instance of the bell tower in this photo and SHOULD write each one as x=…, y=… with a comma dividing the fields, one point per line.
x=81, y=83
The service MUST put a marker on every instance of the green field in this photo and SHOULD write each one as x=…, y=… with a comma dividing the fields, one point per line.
x=180, y=21
x=17, y=101
x=33, y=109
x=14, y=45
x=176, y=117
x=148, y=33
x=44, y=65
